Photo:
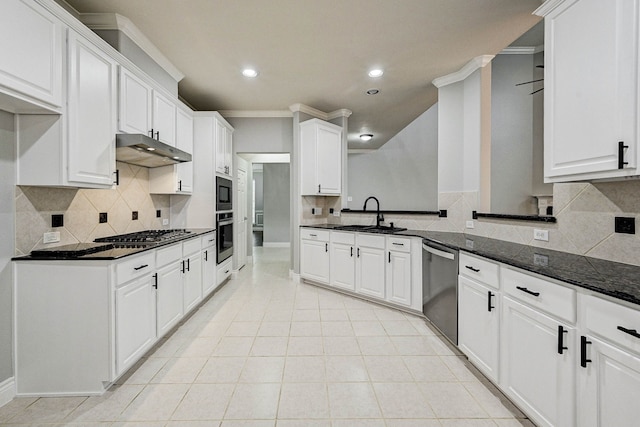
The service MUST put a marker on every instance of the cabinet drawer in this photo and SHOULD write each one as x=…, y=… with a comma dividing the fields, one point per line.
x=371, y=240
x=314, y=234
x=168, y=255
x=399, y=244
x=553, y=298
x=612, y=322
x=208, y=240
x=340, y=237
x=190, y=246
x=135, y=267
x=479, y=269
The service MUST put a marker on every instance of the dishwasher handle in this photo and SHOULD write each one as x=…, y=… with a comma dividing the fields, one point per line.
x=438, y=252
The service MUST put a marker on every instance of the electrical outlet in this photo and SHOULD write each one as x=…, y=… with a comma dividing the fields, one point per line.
x=165, y=221
x=541, y=235
x=51, y=237
x=470, y=224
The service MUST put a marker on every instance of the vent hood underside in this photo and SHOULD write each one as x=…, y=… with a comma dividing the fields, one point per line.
x=141, y=150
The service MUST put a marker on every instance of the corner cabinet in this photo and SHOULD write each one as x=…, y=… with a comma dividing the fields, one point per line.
x=321, y=158
x=591, y=95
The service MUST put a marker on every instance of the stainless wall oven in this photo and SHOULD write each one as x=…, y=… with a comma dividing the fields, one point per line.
x=224, y=194
x=224, y=234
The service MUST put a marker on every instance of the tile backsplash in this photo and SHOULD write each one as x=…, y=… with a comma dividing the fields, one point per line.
x=81, y=208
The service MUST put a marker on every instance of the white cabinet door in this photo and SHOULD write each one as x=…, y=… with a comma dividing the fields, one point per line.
x=169, y=297
x=370, y=267
x=343, y=266
x=134, y=108
x=320, y=158
x=91, y=114
x=192, y=281
x=31, y=41
x=533, y=373
x=479, y=325
x=184, y=141
x=314, y=260
x=208, y=270
x=399, y=278
x=135, y=321
x=164, y=119
x=608, y=386
x=590, y=94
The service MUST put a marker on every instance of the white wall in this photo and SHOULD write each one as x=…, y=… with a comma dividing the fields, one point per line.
x=276, y=203
x=7, y=242
x=403, y=173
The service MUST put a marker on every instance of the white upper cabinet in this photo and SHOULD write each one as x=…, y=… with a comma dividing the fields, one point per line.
x=134, y=114
x=31, y=42
x=321, y=158
x=591, y=89
x=91, y=113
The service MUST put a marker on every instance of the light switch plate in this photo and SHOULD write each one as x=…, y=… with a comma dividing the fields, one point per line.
x=51, y=237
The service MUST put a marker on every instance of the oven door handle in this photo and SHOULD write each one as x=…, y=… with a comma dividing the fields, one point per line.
x=225, y=222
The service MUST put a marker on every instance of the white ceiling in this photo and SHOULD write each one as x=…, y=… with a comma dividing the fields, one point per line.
x=318, y=52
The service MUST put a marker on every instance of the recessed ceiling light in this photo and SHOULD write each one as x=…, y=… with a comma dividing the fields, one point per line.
x=249, y=72
x=366, y=137
x=376, y=72
x=373, y=91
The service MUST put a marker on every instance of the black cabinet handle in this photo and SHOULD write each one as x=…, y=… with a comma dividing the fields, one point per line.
x=352, y=251
x=525, y=290
x=358, y=252
x=117, y=172
x=489, y=296
x=561, y=332
x=632, y=332
x=206, y=258
x=621, y=162
x=180, y=185
x=583, y=351
x=326, y=247
x=472, y=269
x=188, y=264
x=141, y=267
x=155, y=283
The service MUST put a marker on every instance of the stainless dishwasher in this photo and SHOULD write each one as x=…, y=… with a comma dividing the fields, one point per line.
x=440, y=288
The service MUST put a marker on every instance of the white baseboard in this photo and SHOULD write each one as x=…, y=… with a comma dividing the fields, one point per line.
x=276, y=244
x=295, y=277
x=7, y=391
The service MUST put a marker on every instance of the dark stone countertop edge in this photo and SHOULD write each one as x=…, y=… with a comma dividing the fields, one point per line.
x=195, y=232
x=602, y=276
x=359, y=211
x=533, y=218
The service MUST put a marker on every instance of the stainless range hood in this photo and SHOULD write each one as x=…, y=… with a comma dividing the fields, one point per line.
x=141, y=150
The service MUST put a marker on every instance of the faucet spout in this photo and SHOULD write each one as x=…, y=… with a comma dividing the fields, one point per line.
x=379, y=217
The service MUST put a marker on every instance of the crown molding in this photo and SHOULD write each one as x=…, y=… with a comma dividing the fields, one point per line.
x=256, y=113
x=547, y=7
x=114, y=21
x=471, y=66
x=301, y=108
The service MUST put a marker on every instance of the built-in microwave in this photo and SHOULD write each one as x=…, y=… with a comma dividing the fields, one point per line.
x=224, y=194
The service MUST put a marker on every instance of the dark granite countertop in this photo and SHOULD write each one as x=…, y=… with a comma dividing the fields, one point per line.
x=113, y=253
x=615, y=279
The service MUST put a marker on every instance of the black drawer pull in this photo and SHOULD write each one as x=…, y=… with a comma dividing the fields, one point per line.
x=631, y=332
x=583, y=351
x=561, y=332
x=475, y=270
x=525, y=290
x=141, y=267
x=489, y=296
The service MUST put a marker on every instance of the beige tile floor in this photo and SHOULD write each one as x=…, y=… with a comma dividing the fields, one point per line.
x=266, y=351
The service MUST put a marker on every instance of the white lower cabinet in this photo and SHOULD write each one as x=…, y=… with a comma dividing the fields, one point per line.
x=314, y=255
x=479, y=325
x=135, y=321
x=533, y=373
x=370, y=265
x=343, y=260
